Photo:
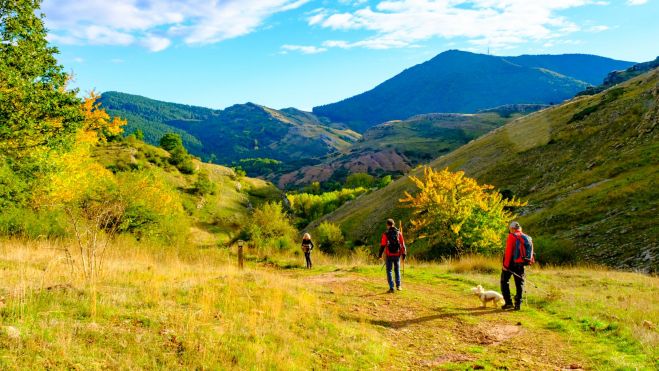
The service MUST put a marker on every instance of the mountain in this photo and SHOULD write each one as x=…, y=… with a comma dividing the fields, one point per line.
x=617, y=77
x=395, y=147
x=237, y=132
x=584, y=67
x=462, y=82
x=589, y=169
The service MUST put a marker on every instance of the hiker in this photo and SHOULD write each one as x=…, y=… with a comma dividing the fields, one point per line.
x=307, y=246
x=393, y=245
x=513, y=265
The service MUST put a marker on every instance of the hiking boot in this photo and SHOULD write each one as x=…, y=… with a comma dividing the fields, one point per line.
x=507, y=307
x=517, y=307
x=391, y=290
x=399, y=288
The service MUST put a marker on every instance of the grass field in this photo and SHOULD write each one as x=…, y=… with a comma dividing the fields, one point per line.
x=163, y=309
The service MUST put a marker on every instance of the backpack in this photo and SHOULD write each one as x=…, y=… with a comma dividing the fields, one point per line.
x=523, y=253
x=392, y=241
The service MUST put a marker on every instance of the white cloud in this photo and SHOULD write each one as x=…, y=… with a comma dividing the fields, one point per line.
x=498, y=23
x=636, y=2
x=304, y=49
x=79, y=60
x=137, y=22
x=598, y=28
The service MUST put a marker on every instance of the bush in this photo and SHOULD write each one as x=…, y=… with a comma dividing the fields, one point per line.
x=309, y=207
x=329, y=238
x=203, y=185
x=269, y=226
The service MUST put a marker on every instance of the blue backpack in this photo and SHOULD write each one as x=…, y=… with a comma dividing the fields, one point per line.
x=523, y=253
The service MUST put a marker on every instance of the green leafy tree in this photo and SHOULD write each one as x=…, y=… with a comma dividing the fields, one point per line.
x=329, y=237
x=360, y=180
x=139, y=134
x=171, y=142
x=38, y=115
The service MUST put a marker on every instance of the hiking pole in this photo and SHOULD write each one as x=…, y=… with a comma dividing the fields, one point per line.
x=525, y=280
x=400, y=227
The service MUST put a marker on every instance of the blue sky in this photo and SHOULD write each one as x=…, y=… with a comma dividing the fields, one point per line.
x=302, y=53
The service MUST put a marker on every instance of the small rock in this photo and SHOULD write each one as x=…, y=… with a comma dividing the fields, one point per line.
x=478, y=367
x=648, y=324
x=12, y=332
x=519, y=323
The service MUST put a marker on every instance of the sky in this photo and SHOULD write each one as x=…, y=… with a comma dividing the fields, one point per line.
x=304, y=53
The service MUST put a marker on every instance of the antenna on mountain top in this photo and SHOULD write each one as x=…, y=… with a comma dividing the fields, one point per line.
x=488, y=50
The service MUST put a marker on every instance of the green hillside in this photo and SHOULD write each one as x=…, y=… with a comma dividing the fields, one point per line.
x=396, y=146
x=589, y=169
x=620, y=76
x=453, y=81
x=240, y=131
x=213, y=217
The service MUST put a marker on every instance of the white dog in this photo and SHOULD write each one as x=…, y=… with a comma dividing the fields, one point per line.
x=486, y=296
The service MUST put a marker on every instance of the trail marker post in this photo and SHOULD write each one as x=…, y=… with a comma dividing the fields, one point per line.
x=240, y=254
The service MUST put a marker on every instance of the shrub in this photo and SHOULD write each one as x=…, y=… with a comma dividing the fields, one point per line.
x=329, y=238
x=269, y=226
x=203, y=185
x=309, y=207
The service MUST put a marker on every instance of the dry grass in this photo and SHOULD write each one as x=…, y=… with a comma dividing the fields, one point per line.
x=165, y=309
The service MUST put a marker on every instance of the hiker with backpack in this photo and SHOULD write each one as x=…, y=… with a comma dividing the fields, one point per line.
x=393, y=245
x=307, y=247
x=518, y=254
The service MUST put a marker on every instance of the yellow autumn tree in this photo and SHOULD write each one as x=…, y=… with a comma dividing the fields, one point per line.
x=456, y=214
x=97, y=126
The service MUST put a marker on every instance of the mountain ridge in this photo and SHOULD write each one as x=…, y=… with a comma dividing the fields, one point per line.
x=460, y=82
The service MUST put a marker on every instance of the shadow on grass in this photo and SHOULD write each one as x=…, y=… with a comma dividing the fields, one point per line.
x=445, y=313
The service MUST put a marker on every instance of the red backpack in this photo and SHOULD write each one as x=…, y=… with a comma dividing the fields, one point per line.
x=523, y=253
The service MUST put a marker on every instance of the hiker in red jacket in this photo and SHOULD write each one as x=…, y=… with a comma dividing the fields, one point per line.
x=512, y=267
x=393, y=245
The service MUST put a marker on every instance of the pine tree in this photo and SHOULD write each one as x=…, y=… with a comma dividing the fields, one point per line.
x=37, y=112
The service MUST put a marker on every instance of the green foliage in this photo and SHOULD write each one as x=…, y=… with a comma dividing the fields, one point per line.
x=329, y=238
x=270, y=227
x=139, y=134
x=38, y=115
x=180, y=158
x=203, y=185
x=308, y=207
x=384, y=181
x=259, y=166
x=33, y=224
x=360, y=180
x=171, y=142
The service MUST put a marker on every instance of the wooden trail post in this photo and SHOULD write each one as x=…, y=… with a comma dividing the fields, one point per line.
x=241, y=263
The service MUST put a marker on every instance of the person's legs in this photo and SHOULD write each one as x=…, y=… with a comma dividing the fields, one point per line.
x=505, y=288
x=519, y=286
x=390, y=279
x=397, y=269
x=307, y=257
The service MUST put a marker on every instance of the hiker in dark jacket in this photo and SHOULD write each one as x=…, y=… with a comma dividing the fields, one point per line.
x=307, y=247
x=512, y=267
x=393, y=245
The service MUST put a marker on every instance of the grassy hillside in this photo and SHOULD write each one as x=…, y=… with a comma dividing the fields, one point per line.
x=588, y=168
x=620, y=76
x=159, y=308
x=240, y=131
x=396, y=146
x=453, y=81
x=214, y=216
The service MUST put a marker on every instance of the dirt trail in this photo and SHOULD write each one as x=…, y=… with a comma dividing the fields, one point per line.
x=441, y=325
